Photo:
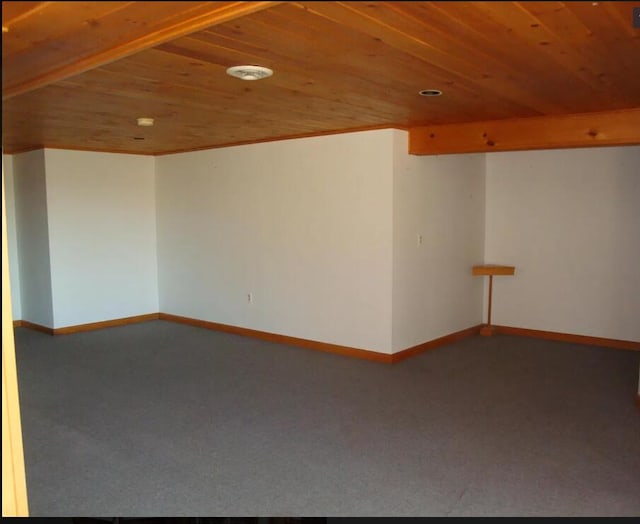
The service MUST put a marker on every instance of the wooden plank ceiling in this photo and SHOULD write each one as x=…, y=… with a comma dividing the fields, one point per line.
x=77, y=75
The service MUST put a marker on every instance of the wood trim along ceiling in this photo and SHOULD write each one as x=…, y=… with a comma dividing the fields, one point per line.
x=612, y=128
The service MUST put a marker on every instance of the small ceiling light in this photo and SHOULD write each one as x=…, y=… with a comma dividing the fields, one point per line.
x=145, y=121
x=5, y=29
x=249, y=72
x=430, y=92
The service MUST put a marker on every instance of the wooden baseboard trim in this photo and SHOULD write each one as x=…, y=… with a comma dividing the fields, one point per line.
x=86, y=327
x=106, y=324
x=435, y=343
x=335, y=348
x=35, y=327
x=325, y=346
x=281, y=339
x=567, y=337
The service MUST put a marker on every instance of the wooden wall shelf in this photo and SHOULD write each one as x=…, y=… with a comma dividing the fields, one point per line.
x=490, y=270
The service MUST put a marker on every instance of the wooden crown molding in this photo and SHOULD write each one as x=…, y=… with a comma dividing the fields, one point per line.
x=611, y=128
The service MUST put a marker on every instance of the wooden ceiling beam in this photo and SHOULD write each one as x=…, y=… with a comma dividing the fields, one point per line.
x=108, y=41
x=610, y=128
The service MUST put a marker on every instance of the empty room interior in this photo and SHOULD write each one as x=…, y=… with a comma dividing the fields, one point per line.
x=304, y=259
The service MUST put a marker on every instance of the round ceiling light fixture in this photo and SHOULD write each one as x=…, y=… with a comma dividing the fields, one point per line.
x=144, y=121
x=430, y=92
x=249, y=72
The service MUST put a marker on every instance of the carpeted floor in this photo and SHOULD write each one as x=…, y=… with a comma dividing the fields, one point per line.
x=162, y=419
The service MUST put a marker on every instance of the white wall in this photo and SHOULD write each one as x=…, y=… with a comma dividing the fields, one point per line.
x=102, y=232
x=322, y=231
x=304, y=225
x=441, y=198
x=569, y=220
x=32, y=230
x=12, y=238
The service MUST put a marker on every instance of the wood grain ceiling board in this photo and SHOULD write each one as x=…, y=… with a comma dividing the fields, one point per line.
x=47, y=41
x=338, y=66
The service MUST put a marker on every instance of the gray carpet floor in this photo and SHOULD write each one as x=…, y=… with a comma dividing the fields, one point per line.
x=162, y=419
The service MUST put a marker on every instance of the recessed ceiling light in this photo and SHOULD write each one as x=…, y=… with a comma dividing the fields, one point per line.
x=430, y=92
x=5, y=29
x=145, y=121
x=249, y=72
